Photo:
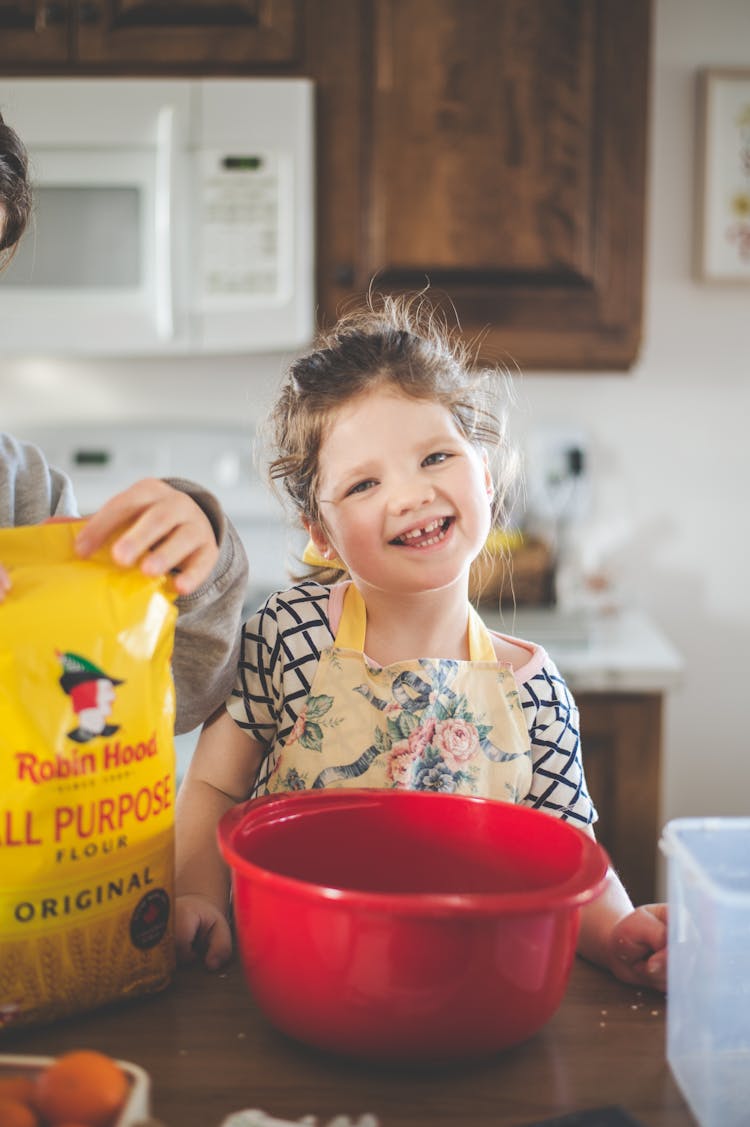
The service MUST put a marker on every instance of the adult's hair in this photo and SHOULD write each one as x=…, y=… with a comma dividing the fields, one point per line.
x=15, y=191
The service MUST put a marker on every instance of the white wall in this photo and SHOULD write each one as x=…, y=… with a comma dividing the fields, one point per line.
x=668, y=440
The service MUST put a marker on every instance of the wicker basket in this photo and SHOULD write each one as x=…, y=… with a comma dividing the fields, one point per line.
x=521, y=576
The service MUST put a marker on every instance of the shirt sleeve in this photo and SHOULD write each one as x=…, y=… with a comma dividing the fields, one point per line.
x=256, y=700
x=558, y=783
x=207, y=635
x=281, y=647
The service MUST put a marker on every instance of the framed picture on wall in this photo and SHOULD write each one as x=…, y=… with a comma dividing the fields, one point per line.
x=723, y=228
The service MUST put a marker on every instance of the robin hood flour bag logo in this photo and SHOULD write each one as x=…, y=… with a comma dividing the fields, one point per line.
x=91, y=693
x=86, y=779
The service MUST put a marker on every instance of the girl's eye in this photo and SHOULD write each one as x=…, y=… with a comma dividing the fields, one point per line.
x=361, y=487
x=436, y=459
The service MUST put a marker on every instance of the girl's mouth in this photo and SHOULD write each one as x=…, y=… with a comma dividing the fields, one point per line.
x=432, y=533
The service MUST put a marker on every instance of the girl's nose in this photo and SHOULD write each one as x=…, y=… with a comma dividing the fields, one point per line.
x=410, y=495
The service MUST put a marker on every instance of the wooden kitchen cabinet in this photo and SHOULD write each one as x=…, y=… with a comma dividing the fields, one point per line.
x=494, y=150
x=621, y=736
x=33, y=32
x=148, y=36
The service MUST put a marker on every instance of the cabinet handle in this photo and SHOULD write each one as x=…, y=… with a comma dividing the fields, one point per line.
x=88, y=12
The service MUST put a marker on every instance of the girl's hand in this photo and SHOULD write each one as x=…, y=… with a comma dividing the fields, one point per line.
x=638, y=947
x=201, y=930
x=4, y=583
x=163, y=528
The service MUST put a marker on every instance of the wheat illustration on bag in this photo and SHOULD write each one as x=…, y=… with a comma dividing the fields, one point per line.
x=87, y=776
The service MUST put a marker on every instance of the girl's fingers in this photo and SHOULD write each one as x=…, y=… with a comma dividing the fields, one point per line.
x=122, y=510
x=191, y=569
x=164, y=528
x=170, y=528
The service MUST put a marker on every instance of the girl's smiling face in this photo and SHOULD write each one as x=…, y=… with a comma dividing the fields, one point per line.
x=404, y=497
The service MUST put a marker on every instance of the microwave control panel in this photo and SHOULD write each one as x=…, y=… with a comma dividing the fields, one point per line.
x=246, y=224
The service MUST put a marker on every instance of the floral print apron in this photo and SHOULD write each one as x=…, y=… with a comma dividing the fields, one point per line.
x=422, y=724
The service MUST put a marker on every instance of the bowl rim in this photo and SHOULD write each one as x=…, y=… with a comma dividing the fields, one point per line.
x=579, y=889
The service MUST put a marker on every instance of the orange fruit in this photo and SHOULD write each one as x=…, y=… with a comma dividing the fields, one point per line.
x=16, y=1087
x=13, y=1113
x=82, y=1086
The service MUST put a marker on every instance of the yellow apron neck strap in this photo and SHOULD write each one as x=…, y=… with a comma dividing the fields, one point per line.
x=353, y=622
x=353, y=629
x=480, y=642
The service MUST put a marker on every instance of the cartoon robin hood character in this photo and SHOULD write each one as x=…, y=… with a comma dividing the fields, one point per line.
x=92, y=694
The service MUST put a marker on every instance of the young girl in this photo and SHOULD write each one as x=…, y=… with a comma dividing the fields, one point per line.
x=386, y=676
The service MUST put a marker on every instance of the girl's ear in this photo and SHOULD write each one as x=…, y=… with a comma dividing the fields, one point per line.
x=319, y=551
x=319, y=538
x=317, y=535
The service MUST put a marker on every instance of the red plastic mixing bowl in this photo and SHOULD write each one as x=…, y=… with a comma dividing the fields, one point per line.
x=403, y=925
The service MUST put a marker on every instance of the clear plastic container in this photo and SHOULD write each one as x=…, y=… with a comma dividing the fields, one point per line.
x=708, y=1000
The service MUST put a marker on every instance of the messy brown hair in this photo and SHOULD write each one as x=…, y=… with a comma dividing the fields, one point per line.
x=15, y=191
x=399, y=341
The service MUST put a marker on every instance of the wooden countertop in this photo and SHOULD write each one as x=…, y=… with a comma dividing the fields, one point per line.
x=209, y=1052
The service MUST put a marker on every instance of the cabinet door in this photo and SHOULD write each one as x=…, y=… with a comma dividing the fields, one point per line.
x=33, y=31
x=215, y=36
x=621, y=736
x=494, y=150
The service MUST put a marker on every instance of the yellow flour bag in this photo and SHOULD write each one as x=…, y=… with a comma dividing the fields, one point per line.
x=87, y=778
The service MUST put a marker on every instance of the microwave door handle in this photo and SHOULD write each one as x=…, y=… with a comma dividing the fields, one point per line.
x=163, y=223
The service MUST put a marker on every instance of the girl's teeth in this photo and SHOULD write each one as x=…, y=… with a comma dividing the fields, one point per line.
x=420, y=533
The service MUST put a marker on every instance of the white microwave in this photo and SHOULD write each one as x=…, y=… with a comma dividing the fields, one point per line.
x=170, y=217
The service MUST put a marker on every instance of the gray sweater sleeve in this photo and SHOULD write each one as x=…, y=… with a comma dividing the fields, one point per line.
x=207, y=640
x=31, y=490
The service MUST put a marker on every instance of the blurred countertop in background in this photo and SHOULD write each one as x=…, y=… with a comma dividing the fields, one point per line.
x=621, y=651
